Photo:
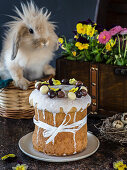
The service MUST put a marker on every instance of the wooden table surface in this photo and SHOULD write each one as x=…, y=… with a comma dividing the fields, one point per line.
x=12, y=130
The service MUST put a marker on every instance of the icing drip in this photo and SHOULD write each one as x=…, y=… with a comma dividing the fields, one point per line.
x=38, y=126
x=53, y=105
x=74, y=134
x=54, y=117
x=43, y=113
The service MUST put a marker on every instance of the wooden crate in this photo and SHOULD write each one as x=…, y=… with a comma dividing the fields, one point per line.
x=107, y=84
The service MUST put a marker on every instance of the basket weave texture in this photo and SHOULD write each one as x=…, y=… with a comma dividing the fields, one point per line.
x=14, y=102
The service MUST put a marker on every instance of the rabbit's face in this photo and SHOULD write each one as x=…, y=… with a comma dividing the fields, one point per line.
x=32, y=30
x=37, y=35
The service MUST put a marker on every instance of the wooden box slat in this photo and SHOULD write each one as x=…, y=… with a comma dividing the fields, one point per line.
x=112, y=88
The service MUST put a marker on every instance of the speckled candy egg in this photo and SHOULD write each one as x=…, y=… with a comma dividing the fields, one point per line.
x=117, y=124
x=124, y=118
x=125, y=127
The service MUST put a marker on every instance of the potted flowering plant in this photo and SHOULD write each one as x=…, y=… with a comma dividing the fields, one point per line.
x=93, y=43
x=94, y=48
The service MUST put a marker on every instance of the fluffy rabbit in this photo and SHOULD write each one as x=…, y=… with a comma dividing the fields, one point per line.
x=28, y=46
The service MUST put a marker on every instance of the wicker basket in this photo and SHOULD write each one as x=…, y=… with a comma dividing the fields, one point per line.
x=14, y=102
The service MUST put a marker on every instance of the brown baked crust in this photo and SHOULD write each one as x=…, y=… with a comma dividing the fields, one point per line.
x=64, y=141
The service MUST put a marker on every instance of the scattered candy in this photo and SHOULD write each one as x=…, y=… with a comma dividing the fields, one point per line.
x=44, y=89
x=118, y=124
x=71, y=95
x=61, y=94
x=52, y=94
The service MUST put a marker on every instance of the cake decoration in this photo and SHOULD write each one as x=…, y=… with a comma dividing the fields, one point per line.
x=53, y=87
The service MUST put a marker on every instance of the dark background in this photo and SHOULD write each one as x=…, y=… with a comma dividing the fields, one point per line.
x=65, y=12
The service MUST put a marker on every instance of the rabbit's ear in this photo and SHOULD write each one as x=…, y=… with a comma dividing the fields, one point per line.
x=15, y=47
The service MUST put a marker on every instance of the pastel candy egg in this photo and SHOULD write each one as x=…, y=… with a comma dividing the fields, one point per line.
x=117, y=124
x=71, y=95
x=44, y=89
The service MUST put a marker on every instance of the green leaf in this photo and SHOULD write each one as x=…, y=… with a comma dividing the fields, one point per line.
x=98, y=58
x=71, y=58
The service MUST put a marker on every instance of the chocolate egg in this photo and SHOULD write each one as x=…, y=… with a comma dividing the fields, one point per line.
x=84, y=88
x=117, y=124
x=84, y=92
x=124, y=118
x=51, y=94
x=38, y=85
x=79, y=83
x=79, y=94
x=50, y=81
x=61, y=94
x=44, y=89
x=65, y=81
x=71, y=95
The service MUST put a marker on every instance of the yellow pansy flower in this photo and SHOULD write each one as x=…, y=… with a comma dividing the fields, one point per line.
x=81, y=29
x=81, y=46
x=20, y=167
x=85, y=46
x=90, y=30
x=108, y=47
x=7, y=156
x=119, y=165
x=74, y=90
x=60, y=40
x=56, y=82
x=54, y=89
x=76, y=36
x=74, y=53
x=112, y=42
x=72, y=81
x=44, y=82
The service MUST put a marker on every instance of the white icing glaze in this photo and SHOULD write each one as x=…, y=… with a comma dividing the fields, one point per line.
x=53, y=105
x=38, y=126
x=43, y=114
x=74, y=135
x=54, y=119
